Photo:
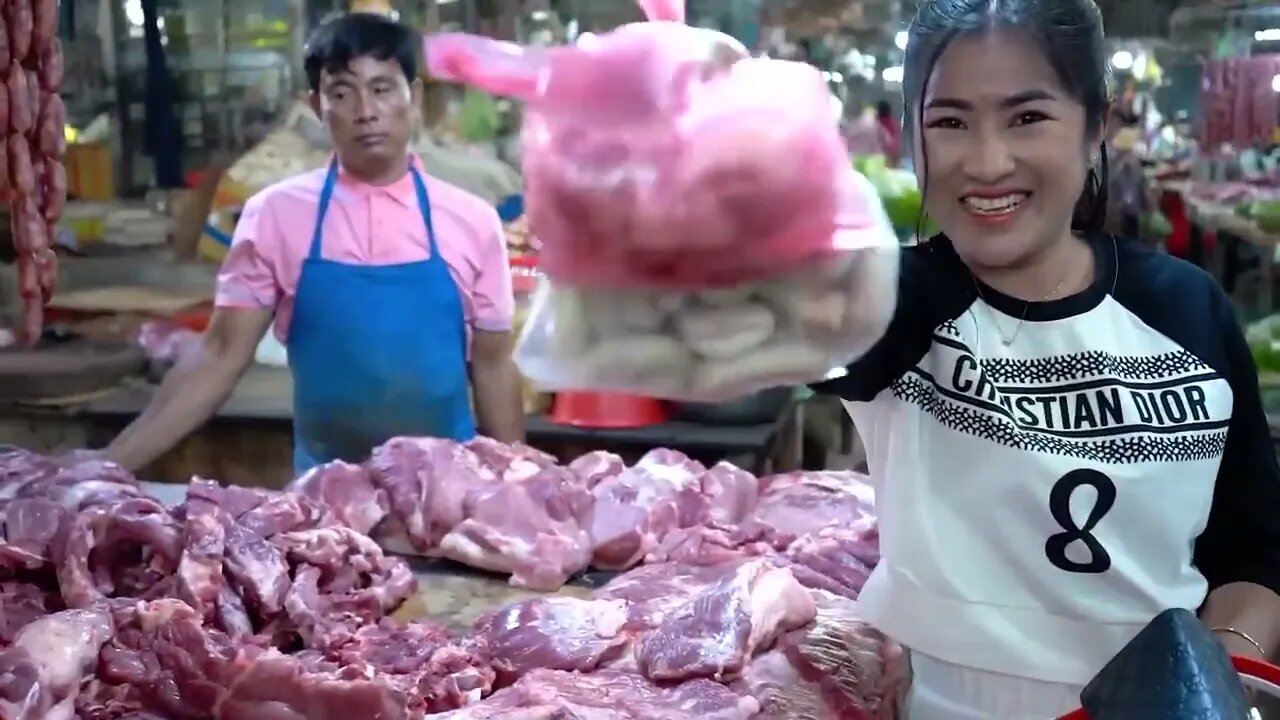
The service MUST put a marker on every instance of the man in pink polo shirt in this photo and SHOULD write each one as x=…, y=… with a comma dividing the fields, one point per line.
x=389, y=288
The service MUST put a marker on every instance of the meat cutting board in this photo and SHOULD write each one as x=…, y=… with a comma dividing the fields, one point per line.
x=73, y=369
x=128, y=299
x=456, y=596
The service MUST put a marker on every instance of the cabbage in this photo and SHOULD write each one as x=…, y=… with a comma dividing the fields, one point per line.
x=899, y=192
x=479, y=119
x=1266, y=213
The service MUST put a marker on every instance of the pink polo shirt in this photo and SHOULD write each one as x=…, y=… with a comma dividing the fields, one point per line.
x=366, y=225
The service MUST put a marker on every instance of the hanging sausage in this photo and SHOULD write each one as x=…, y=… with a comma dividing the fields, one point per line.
x=32, y=175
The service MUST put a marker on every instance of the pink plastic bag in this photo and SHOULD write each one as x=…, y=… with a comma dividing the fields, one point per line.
x=660, y=156
x=714, y=344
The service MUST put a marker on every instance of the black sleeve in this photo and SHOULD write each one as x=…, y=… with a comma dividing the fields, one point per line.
x=918, y=313
x=1241, y=542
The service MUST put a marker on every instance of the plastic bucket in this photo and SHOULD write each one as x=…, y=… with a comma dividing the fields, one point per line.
x=607, y=410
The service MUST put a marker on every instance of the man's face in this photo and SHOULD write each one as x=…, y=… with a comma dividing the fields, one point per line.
x=370, y=109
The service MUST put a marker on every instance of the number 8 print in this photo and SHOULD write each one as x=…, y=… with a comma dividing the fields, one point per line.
x=1055, y=548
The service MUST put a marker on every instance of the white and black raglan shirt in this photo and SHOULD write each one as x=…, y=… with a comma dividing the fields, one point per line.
x=1041, y=501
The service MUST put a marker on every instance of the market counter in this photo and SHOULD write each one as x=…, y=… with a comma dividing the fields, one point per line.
x=250, y=439
x=456, y=597
x=248, y=442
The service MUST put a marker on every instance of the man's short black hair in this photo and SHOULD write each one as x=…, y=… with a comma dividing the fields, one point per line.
x=341, y=38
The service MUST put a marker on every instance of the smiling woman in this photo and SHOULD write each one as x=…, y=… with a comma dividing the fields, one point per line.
x=1064, y=427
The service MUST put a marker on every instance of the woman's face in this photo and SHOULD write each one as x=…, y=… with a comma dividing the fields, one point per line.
x=1005, y=146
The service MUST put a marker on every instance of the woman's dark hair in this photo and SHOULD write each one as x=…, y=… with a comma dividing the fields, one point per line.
x=341, y=38
x=1070, y=33
x=884, y=109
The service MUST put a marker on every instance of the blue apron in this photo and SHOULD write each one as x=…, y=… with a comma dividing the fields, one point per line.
x=376, y=350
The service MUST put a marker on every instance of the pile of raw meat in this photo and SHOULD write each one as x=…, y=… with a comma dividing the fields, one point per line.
x=515, y=510
x=240, y=603
x=33, y=180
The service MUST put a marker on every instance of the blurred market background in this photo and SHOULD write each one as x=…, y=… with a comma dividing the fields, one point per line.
x=179, y=110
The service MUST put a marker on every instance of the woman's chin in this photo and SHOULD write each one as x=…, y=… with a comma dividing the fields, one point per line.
x=994, y=253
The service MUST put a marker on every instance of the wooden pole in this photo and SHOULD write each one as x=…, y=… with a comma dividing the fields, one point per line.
x=435, y=97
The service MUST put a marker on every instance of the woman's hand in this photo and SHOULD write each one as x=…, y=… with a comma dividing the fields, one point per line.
x=1237, y=645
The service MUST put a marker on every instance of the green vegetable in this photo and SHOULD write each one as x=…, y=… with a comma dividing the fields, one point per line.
x=479, y=119
x=899, y=193
x=1155, y=225
x=1266, y=213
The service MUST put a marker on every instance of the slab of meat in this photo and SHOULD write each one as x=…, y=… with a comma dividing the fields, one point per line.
x=427, y=481
x=708, y=545
x=534, y=528
x=794, y=505
x=432, y=670
x=40, y=674
x=596, y=467
x=348, y=491
x=341, y=582
x=654, y=592
x=838, y=668
x=510, y=462
x=837, y=560
x=22, y=603
x=129, y=549
x=798, y=504
x=717, y=632
x=635, y=509
x=179, y=670
x=37, y=493
x=556, y=633
x=607, y=695
x=731, y=491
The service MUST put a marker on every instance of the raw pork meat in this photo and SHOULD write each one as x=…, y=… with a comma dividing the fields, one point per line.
x=838, y=668
x=794, y=505
x=732, y=492
x=433, y=671
x=534, y=528
x=341, y=582
x=22, y=603
x=554, y=633
x=708, y=545
x=510, y=462
x=36, y=493
x=427, y=480
x=717, y=632
x=635, y=509
x=596, y=467
x=607, y=695
x=798, y=504
x=40, y=674
x=127, y=549
x=162, y=661
x=349, y=492
x=654, y=592
x=836, y=560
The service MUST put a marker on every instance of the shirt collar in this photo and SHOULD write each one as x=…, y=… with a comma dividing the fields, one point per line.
x=402, y=190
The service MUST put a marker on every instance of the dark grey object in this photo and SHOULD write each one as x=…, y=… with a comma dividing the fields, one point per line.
x=756, y=409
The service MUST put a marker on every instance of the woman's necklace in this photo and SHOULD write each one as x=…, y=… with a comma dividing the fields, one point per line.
x=1026, y=307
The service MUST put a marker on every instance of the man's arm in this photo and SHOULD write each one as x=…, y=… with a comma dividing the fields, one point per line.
x=247, y=295
x=495, y=381
x=495, y=384
x=195, y=388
